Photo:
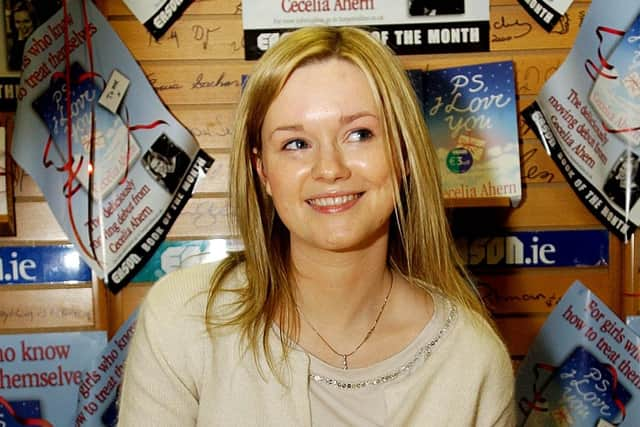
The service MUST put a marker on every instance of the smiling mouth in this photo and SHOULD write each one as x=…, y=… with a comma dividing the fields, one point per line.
x=327, y=202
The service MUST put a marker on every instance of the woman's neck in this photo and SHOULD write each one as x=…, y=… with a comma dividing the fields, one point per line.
x=341, y=300
x=341, y=289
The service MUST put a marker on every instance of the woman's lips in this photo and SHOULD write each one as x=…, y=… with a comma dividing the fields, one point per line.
x=334, y=203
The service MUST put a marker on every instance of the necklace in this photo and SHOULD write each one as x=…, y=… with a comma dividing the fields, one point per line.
x=344, y=356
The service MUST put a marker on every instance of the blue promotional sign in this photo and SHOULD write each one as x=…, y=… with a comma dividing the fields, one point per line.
x=40, y=375
x=567, y=248
x=172, y=255
x=22, y=265
x=98, y=395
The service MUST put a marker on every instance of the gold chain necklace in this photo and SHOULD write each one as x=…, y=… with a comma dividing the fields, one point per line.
x=344, y=356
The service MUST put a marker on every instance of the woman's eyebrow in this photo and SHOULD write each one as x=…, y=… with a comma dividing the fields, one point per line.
x=351, y=117
x=287, y=128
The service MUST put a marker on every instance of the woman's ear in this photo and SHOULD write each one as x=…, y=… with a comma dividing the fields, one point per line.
x=262, y=173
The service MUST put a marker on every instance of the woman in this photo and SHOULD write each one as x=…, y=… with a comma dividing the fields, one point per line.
x=23, y=23
x=349, y=305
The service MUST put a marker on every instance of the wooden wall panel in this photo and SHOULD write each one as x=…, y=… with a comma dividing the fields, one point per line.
x=125, y=303
x=513, y=29
x=210, y=125
x=218, y=38
x=44, y=308
x=197, y=69
x=519, y=332
x=202, y=218
x=549, y=206
x=631, y=278
x=536, y=291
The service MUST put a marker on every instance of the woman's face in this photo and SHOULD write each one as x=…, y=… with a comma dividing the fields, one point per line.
x=24, y=24
x=324, y=160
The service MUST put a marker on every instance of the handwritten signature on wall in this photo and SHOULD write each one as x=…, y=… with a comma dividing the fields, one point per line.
x=495, y=300
x=506, y=29
x=38, y=314
x=531, y=171
x=203, y=36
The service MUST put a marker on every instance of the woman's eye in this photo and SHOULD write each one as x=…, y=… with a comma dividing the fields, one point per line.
x=360, y=135
x=296, y=144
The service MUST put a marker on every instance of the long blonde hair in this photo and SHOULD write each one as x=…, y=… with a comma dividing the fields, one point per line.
x=420, y=244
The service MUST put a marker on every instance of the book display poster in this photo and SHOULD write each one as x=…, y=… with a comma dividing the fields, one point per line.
x=157, y=15
x=408, y=27
x=583, y=368
x=472, y=119
x=99, y=390
x=586, y=115
x=114, y=165
x=547, y=13
x=40, y=375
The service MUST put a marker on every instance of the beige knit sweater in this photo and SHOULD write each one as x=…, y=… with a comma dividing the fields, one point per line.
x=177, y=375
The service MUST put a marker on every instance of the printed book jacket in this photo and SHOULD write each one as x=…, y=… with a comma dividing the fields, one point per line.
x=472, y=119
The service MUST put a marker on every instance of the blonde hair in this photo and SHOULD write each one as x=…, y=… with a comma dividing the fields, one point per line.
x=420, y=244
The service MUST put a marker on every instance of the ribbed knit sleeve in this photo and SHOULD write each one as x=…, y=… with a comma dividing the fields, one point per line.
x=165, y=360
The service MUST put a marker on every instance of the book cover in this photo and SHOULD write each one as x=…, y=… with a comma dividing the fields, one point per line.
x=582, y=369
x=21, y=413
x=115, y=149
x=581, y=391
x=472, y=119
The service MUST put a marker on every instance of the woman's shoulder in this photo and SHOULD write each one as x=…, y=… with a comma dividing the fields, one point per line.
x=186, y=290
x=476, y=332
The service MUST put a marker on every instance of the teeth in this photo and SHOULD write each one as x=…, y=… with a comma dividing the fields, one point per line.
x=333, y=201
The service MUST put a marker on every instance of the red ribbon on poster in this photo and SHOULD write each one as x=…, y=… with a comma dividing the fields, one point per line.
x=605, y=70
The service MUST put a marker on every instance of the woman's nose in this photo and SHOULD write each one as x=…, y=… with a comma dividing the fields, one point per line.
x=329, y=164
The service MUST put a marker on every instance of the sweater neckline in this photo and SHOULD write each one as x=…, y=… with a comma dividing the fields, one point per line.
x=399, y=364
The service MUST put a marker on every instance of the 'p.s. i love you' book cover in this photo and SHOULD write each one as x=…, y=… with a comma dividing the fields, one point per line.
x=472, y=119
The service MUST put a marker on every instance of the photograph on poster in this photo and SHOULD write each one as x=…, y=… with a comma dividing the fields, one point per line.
x=7, y=208
x=435, y=7
x=622, y=185
x=22, y=17
x=4, y=209
x=166, y=163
